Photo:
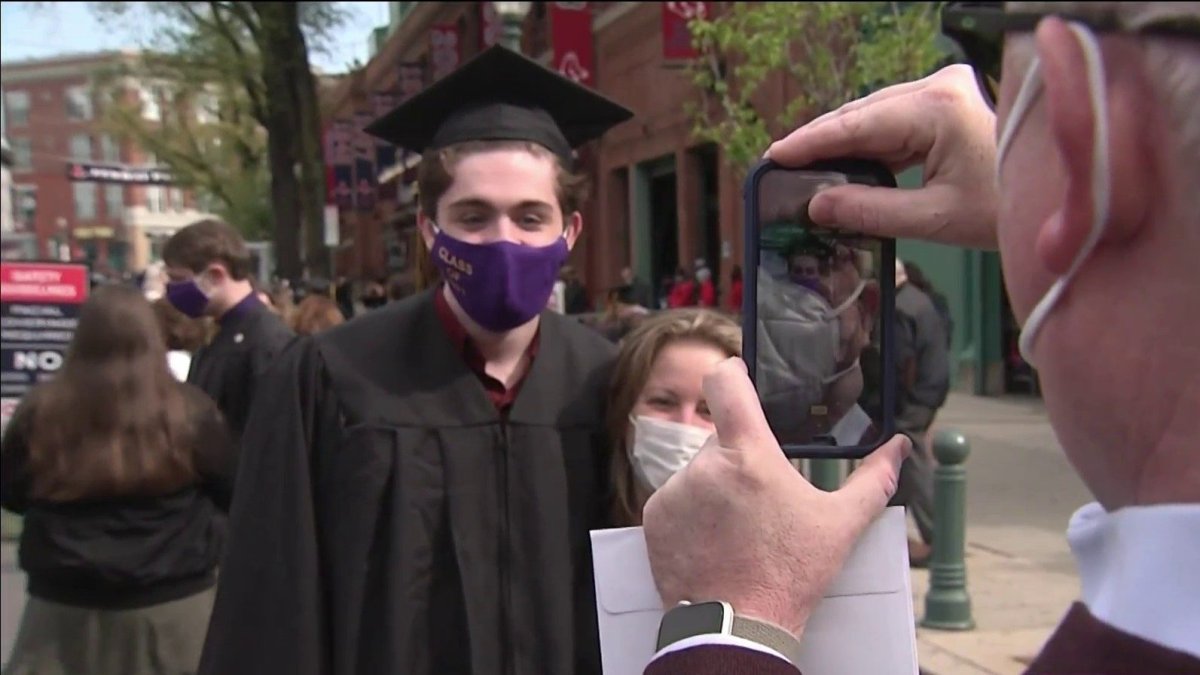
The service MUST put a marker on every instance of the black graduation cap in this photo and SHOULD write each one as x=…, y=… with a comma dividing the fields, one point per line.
x=501, y=95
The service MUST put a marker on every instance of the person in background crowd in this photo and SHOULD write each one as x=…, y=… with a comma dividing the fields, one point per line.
x=208, y=267
x=374, y=296
x=639, y=292
x=620, y=315
x=923, y=382
x=344, y=294
x=707, y=291
x=576, y=294
x=183, y=335
x=659, y=417
x=735, y=290
x=665, y=287
x=1089, y=195
x=684, y=292
x=916, y=277
x=426, y=476
x=315, y=314
x=122, y=474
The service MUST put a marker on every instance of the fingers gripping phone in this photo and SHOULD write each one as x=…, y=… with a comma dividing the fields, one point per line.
x=818, y=327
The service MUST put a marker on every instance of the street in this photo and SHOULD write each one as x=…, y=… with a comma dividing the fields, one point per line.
x=1020, y=493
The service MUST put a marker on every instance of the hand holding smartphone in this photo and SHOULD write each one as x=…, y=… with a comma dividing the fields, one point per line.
x=818, y=314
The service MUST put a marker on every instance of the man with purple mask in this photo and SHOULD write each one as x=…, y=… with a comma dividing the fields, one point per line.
x=208, y=274
x=429, y=472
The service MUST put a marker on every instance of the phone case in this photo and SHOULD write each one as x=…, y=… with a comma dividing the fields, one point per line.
x=852, y=168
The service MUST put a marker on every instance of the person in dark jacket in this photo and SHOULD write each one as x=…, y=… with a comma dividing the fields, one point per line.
x=208, y=268
x=123, y=475
x=923, y=382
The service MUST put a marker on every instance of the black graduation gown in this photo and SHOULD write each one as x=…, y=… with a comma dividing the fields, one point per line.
x=389, y=523
x=229, y=368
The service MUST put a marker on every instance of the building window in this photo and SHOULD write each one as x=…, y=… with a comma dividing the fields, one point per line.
x=17, y=108
x=176, y=199
x=26, y=201
x=150, y=107
x=78, y=100
x=114, y=201
x=81, y=147
x=22, y=154
x=155, y=199
x=110, y=150
x=206, y=108
x=85, y=200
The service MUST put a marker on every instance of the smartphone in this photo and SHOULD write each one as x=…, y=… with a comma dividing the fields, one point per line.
x=818, y=314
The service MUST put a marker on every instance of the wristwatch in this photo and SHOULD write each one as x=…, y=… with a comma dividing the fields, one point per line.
x=687, y=620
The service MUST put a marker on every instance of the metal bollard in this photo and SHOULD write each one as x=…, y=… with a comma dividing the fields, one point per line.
x=947, y=604
x=826, y=473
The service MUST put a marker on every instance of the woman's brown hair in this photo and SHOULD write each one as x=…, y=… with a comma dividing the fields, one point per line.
x=634, y=362
x=181, y=332
x=113, y=422
x=314, y=314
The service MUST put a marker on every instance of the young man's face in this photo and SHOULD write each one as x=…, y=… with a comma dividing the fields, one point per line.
x=504, y=195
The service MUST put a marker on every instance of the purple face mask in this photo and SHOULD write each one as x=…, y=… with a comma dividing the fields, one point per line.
x=502, y=284
x=187, y=297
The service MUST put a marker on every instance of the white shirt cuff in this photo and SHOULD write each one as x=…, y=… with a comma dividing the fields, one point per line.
x=1140, y=570
x=718, y=639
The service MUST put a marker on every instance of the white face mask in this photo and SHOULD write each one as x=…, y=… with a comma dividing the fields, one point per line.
x=661, y=448
x=1101, y=178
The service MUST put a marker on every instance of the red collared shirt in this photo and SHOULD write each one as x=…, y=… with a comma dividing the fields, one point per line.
x=500, y=397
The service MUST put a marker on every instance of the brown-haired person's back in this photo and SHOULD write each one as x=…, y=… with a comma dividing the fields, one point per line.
x=123, y=475
x=316, y=313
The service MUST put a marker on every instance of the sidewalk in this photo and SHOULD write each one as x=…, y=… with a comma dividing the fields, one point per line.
x=1020, y=576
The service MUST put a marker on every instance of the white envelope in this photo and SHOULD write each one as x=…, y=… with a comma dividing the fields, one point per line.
x=865, y=624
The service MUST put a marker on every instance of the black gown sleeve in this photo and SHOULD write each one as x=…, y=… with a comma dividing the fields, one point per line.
x=270, y=614
x=14, y=460
x=216, y=451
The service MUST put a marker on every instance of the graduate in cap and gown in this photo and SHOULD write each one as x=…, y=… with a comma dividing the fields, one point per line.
x=426, y=476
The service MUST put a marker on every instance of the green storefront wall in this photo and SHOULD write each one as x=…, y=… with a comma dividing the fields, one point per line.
x=971, y=281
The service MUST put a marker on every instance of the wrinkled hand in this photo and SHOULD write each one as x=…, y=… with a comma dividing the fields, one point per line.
x=940, y=121
x=740, y=524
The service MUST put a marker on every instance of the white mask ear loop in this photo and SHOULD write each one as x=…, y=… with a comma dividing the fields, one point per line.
x=1101, y=188
x=1030, y=88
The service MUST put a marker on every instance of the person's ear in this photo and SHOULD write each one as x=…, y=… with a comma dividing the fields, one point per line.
x=215, y=275
x=574, y=227
x=425, y=225
x=1073, y=127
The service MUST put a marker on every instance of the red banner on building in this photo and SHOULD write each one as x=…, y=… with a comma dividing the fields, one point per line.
x=571, y=35
x=327, y=157
x=341, y=156
x=445, y=49
x=366, y=178
x=491, y=26
x=676, y=37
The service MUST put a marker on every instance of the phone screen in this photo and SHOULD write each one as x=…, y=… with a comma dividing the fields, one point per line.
x=818, y=334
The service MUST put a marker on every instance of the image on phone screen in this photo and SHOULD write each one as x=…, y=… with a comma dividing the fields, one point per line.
x=818, y=348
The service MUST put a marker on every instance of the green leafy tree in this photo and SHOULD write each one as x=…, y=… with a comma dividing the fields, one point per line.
x=829, y=52
x=256, y=156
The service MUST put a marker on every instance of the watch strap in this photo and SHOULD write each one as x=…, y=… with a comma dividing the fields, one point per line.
x=768, y=635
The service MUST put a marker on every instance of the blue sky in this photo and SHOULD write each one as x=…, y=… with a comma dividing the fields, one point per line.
x=33, y=30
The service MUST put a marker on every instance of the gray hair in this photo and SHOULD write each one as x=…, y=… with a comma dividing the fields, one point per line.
x=1173, y=64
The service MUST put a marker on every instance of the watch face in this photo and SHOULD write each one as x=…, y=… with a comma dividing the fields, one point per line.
x=699, y=619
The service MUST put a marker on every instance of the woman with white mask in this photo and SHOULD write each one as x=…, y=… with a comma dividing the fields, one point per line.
x=658, y=417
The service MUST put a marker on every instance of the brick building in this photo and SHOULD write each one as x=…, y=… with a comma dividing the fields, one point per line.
x=52, y=113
